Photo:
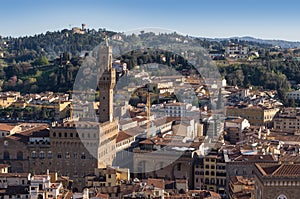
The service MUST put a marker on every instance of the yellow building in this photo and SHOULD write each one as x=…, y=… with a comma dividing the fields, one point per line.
x=108, y=177
x=4, y=168
x=256, y=115
x=6, y=101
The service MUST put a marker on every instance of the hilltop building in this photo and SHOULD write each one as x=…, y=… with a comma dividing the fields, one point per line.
x=236, y=51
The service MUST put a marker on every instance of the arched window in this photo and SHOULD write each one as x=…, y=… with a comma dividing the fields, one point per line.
x=20, y=155
x=6, y=155
x=281, y=197
x=206, y=181
x=33, y=154
x=42, y=155
x=83, y=156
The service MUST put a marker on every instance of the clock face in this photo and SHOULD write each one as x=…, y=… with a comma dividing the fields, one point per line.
x=281, y=197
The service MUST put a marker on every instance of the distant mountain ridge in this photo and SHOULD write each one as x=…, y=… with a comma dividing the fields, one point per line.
x=273, y=42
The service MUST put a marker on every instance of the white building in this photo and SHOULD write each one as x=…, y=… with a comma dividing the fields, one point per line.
x=41, y=187
x=176, y=109
x=237, y=122
x=13, y=179
x=236, y=51
x=187, y=128
x=294, y=95
x=162, y=87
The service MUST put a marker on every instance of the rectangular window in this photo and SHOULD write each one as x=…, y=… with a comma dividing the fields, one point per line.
x=59, y=155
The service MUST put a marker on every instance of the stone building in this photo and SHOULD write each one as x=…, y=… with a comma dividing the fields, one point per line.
x=210, y=172
x=288, y=120
x=279, y=181
x=244, y=165
x=256, y=115
x=166, y=158
x=71, y=148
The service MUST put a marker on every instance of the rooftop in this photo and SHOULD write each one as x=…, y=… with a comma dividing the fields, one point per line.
x=122, y=136
x=279, y=170
x=6, y=127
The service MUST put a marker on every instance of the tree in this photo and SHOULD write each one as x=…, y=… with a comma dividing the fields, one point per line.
x=282, y=96
x=42, y=61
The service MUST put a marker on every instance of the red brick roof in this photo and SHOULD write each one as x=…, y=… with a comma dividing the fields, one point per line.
x=122, y=136
x=6, y=127
x=18, y=175
x=2, y=166
x=287, y=170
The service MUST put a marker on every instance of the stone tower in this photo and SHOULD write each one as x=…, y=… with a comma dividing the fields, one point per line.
x=106, y=84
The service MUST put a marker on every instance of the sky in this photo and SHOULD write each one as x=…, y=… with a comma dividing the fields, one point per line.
x=264, y=19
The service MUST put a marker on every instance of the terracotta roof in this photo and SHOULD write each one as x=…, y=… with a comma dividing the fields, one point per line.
x=147, y=141
x=279, y=170
x=2, y=166
x=24, y=135
x=69, y=195
x=6, y=127
x=294, y=158
x=122, y=136
x=159, y=183
x=102, y=196
x=287, y=170
x=240, y=180
x=19, y=175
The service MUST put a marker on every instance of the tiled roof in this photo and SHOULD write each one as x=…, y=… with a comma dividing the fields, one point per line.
x=287, y=170
x=159, y=183
x=122, y=136
x=6, y=127
x=293, y=158
x=2, y=166
x=11, y=175
x=256, y=158
x=24, y=135
x=280, y=170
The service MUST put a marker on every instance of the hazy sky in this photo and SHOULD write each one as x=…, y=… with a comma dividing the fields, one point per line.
x=269, y=19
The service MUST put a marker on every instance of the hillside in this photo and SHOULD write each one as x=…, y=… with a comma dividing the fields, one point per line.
x=50, y=62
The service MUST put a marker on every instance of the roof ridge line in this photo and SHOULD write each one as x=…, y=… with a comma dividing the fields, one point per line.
x=281, y=165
